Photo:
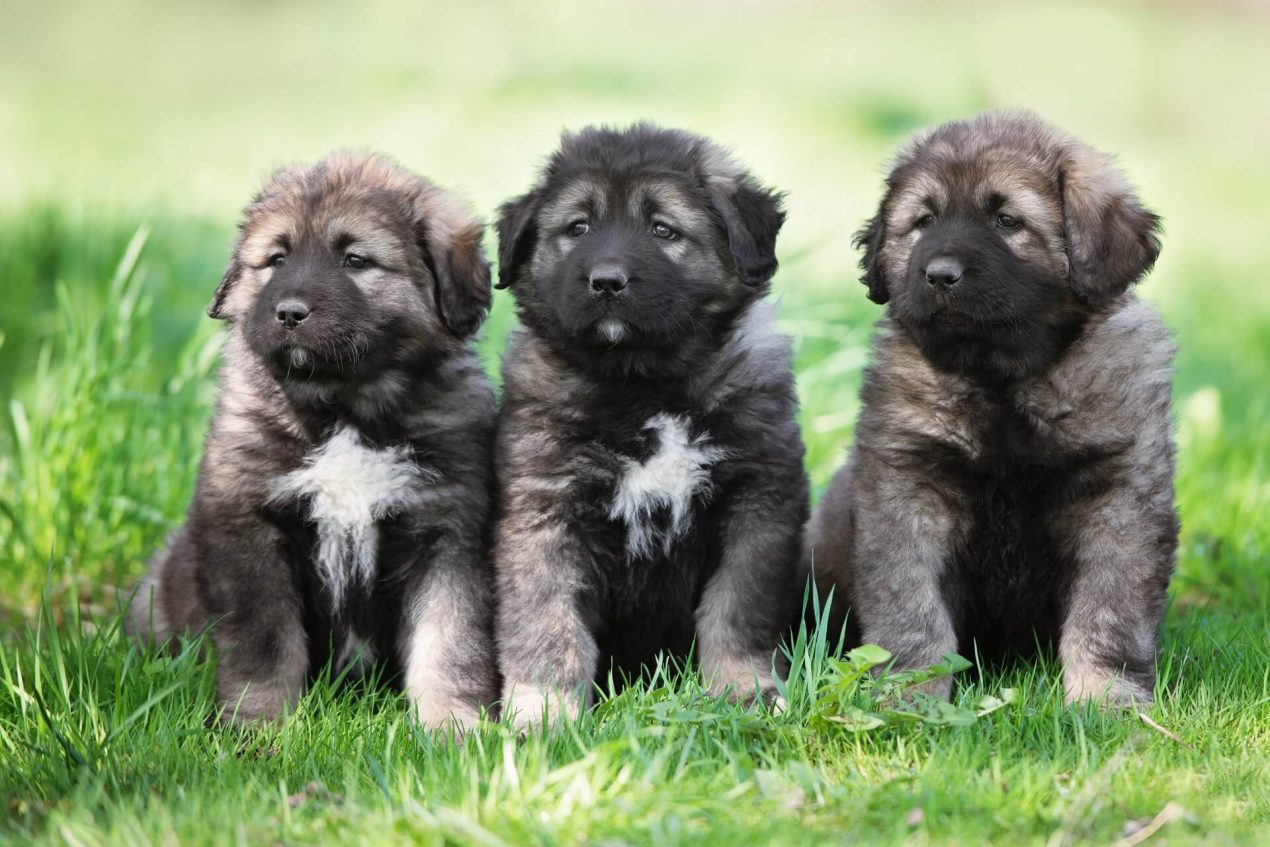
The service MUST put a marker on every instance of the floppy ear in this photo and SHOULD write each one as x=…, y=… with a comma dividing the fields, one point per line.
x=1112, y=239
x=227, y=283
x=453, y=254
x=516, y=234
x=752, y=217
x=871, y=237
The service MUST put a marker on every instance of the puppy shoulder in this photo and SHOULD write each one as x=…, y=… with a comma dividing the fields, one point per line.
x=756, y=358
x=542, y=398
x=467, y=386
x=1114, y=387
x=899, y=374
x=1127, y=341
x=1138, y=325
x=531, y=370
x=908, y=404
x=455, y=416
x=254, y=433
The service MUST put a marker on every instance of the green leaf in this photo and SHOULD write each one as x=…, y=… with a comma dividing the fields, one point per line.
x=987, y=704
x=856, y=719
x=868, y=656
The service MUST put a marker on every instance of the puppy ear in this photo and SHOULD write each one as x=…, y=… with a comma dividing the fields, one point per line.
x=451, y=244
x=752, y=216
x=871, y=237
x=228, y=281
x=516, y=235
x=1112, y=239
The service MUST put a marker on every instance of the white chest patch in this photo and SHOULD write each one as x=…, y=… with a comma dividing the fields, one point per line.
x=350, y=488
x=669, y=479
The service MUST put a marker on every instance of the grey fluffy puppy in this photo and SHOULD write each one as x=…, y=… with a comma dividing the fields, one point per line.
x=649, y=460
x=342, y=507
x=1012, y=478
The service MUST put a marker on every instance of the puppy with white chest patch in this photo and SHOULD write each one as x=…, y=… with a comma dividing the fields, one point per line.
x=649, y=461
x=342, y=508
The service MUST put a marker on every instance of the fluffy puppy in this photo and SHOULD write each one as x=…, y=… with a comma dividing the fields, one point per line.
x=342, y=507
x=1012, y=478
x=649, y=461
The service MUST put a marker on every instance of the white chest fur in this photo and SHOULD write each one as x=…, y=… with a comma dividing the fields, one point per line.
x=348, y=488
x=669, y=479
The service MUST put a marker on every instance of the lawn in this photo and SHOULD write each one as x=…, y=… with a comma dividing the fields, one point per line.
x=131, y=132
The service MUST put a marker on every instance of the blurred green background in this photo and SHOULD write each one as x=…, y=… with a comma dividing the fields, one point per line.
x=121, y=114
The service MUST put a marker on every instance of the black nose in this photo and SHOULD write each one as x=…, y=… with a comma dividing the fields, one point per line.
x=944, y=272
x=291, y=312
x=607, y=282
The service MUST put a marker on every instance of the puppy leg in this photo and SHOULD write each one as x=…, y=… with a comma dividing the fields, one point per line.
x=751, y=598
x=164, y=603
x=547, y=651
x=904, y=532
x=255, y=611
x=1124, y=557
x=145, y=619
x=446, y=646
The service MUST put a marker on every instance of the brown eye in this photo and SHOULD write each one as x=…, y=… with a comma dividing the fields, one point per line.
x=661, y=230
x=1009, y=222
x=578, y=228
x=352, y=260
x=924, y=221
x=278, y=260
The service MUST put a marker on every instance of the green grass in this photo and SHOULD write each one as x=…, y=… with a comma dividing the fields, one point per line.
x=129, y=133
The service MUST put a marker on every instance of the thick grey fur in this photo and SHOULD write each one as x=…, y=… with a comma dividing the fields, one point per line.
x=586, y=587
x=386, y=369
x=1014, y=487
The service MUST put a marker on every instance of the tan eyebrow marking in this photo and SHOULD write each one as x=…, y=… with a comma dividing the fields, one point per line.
x=1019, y=197
x=265, y=237
x=374, y=238
x=581, y=198
x=658, y=199
x=922, y=193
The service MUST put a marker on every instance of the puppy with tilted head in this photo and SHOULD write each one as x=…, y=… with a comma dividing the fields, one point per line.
x=649, y=461
x=1012, y=478
x=341, y=514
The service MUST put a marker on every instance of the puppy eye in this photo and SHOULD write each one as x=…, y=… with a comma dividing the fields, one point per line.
x=578, y=228
x=352, y=260
x=1008, y=222
x=277, y=260
x=661, y=230
x=924, y=221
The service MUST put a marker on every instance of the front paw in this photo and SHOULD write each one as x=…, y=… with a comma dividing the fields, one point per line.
x=439, y=711
x=257, y=703
x=940, y=689
x=531, y=706
x=1104, y=687
x=742, y=682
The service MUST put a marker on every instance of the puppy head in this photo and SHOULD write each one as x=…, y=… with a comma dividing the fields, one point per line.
x=637, y=248
x=997, y=236
x=351, y=266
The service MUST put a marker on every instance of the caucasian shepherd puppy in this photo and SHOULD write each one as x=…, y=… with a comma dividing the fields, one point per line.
x=650, y=465
x=1012, y=478
x=342, y=506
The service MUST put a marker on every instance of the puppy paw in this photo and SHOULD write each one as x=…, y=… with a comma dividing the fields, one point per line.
x=257, y=703
x=144, y=620
x=940, y=689
x=532, y=706
x=1106, y=688
x=742, y=682
x=439, y=711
